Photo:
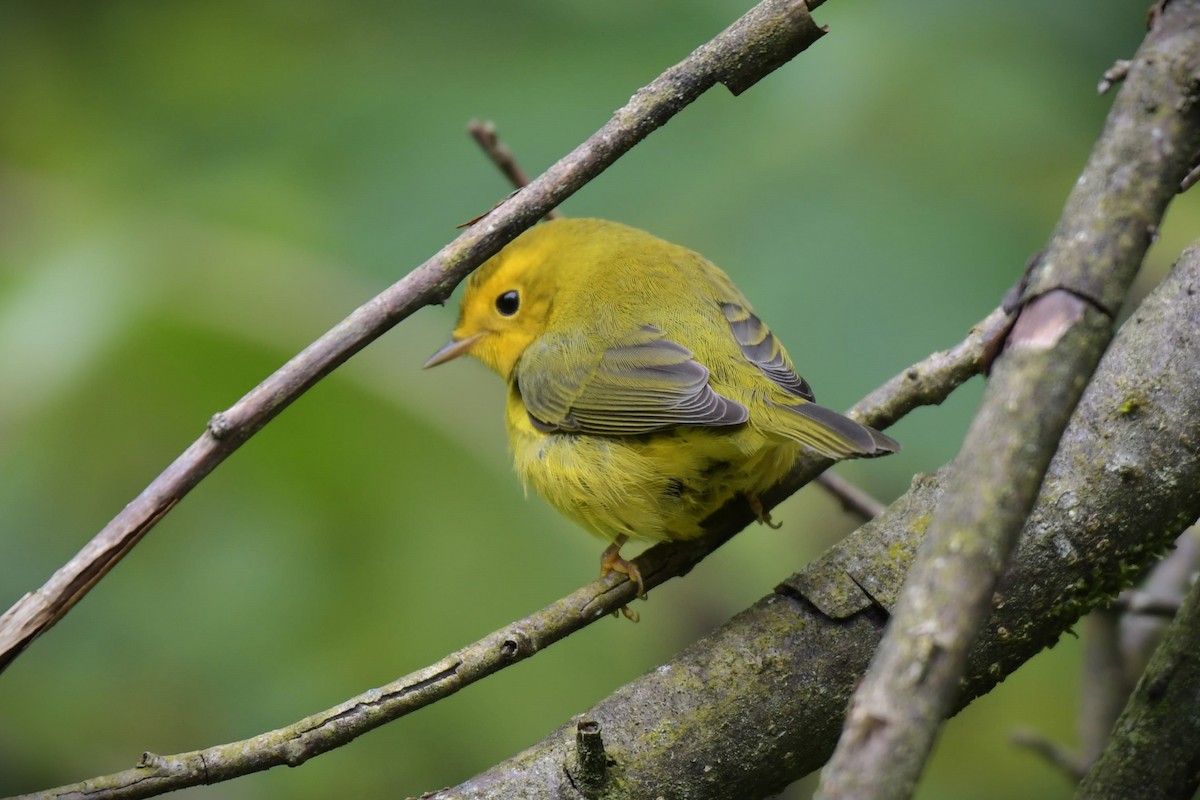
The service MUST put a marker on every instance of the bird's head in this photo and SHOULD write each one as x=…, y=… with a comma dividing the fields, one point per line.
x=507, y=303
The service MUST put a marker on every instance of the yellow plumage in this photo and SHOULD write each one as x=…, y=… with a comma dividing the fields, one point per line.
x=643, y=393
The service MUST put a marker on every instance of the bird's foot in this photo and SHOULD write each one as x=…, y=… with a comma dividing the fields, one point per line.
x=611, y=561
x=764, y=516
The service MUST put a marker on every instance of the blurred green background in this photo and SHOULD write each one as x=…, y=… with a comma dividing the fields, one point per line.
x=191, y=192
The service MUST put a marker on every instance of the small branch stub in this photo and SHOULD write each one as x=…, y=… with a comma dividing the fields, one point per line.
x=591, y=762
x=218, y=425
x=1113, y=75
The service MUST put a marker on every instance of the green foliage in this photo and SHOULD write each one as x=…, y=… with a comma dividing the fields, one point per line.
x=191, y=192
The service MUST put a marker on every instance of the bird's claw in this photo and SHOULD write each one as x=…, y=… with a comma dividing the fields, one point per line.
x=764, y=516
x=611, y=561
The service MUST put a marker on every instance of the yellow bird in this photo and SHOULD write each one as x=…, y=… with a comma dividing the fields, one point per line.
x=643, y=392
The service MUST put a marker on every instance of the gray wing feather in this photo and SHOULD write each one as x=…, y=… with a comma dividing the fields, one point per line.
x=761, y=347
x=644, y=382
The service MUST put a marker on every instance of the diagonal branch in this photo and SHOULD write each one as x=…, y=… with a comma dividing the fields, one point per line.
x=765, y=38
x=1075, y=291
x=852, y=497
x=941, y=374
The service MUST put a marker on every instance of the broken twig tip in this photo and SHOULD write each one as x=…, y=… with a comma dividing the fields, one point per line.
x=591, y=762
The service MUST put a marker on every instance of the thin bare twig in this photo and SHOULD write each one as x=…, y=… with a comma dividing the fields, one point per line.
x=763, y=39
x=1149, y=608
x=942, y=373
x=1064, y=326
x=853, y=497
x=1113, y=75
x=484, y=133
x=1103, y=691
x=1190, y=179
x=1057, y=755
x=1139, y=603
x=1103, y=688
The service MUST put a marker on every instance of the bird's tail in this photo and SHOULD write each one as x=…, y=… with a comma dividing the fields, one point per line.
x=831, y=433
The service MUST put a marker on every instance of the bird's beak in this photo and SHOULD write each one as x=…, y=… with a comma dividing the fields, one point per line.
x=453, y=349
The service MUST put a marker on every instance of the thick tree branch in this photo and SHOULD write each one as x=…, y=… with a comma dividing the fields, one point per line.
x=764, y=39
x=758, y=703
x=1074, y=292
x=941, y=374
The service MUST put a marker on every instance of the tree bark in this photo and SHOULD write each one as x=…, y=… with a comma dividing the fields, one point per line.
x=1075, y=289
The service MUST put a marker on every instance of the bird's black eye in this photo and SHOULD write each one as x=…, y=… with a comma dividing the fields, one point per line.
x=508, y=303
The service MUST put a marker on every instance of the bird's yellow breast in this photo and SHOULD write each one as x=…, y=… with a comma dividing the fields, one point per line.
x=657, y=486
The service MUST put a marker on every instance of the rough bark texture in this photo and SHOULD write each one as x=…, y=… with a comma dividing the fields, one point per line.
x=758, y=703
x=1075, y=289
x=913, y=680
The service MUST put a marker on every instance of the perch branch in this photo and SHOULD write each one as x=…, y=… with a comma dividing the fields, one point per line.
x=941, y=374
x=763, y=39
x=1073, y=294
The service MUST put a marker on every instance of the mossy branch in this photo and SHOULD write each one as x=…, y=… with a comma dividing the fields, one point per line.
x=765, y=38
x=1075, y=289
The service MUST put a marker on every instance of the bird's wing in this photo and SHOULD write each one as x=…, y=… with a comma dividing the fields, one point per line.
x=763, y=350
x=642, y=382
x=798, y=417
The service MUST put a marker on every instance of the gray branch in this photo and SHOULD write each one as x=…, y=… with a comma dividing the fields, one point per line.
x=852, y=497
x=1075, y=290
x=1103, y=687
x=758, y=703
x=768, y=36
